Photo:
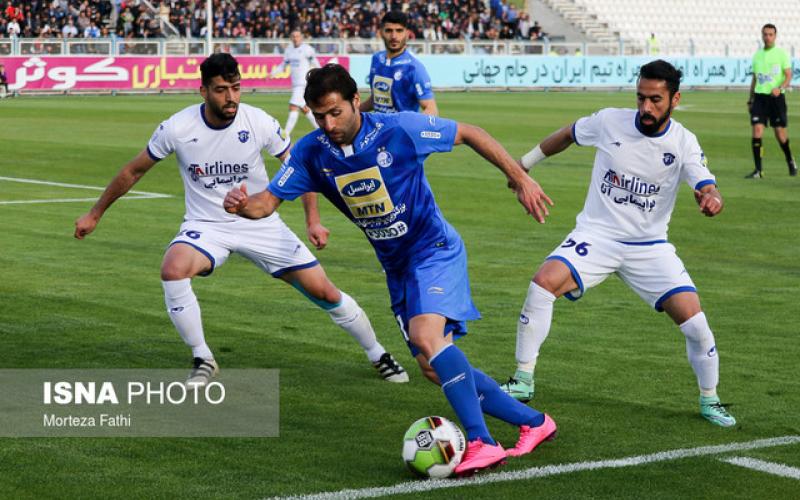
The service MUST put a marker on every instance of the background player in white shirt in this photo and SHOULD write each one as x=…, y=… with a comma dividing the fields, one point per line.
x=299, y=57
x=218, y=145
x=642, y=156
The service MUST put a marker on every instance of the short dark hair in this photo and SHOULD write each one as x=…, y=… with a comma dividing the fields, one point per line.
x=395, y=17
x=329, y=78
x=769, y=25
x=662, y=70
x=220, y=64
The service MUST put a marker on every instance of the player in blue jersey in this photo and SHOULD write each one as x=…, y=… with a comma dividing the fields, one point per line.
x=370, y=166
x=397, y=79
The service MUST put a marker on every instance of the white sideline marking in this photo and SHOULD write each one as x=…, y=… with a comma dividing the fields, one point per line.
x=140, y=195
x=548, y=470
x=763, y=466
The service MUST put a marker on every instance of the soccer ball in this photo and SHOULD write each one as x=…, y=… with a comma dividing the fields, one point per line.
x=433, y=447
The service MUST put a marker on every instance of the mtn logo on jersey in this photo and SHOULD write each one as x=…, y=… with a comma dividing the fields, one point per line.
x=365, y=193
x=244, y=135
x=382, y=93
x=668, y=159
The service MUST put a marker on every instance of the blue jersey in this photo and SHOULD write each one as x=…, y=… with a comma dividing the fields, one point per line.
x=398, y=84
x=378, y=183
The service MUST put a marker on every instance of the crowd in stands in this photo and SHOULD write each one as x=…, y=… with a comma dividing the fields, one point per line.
x=429, y=19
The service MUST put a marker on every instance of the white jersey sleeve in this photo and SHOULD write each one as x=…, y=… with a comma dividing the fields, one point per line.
x=161, y=143
x=588, y=130
x=275, y=141
x=694, y=168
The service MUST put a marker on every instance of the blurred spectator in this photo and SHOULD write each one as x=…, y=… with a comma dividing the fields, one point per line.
x=3, y=82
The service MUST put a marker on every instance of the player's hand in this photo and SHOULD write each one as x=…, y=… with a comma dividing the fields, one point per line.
x=318, y=235
x=236, y=200
x=710, y=202
x=776, y=92
x=85, y=225
x=533, y=198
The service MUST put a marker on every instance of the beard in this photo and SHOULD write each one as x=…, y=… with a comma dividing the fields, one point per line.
x=221, y=113
x=652, y=128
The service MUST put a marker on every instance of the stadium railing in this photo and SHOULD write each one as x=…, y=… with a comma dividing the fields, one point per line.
x=357, y=46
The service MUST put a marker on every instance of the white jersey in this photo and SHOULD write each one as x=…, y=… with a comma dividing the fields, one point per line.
x=300, y=60
x=214, y=160
x=635, y=178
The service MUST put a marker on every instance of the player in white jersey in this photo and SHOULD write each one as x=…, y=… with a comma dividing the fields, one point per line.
x=218, y=146
x=642, y=157
x=299, y=57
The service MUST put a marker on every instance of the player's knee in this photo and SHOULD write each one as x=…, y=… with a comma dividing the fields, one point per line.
x=173, y=272
x=326, y=294
x=423, y=342
x=551, y=282
x=427, y=371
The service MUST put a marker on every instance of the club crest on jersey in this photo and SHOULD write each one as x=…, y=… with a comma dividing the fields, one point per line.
x=244, y=136
x=384, y=159
x=669, y=159
x=398, y=75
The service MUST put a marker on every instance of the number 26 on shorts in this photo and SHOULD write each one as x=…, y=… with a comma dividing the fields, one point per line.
x=580, y=248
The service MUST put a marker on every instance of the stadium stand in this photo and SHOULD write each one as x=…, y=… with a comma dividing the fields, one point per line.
x=712, y=27
x=430, y=20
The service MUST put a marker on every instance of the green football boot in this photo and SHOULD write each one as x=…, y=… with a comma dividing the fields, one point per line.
x=520, y=386
x=713, y=411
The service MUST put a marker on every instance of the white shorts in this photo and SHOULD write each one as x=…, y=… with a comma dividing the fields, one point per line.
x=268, y=243
x=653, y=270
x=298, y=98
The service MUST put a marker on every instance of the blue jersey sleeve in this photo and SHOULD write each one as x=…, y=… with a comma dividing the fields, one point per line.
x=422, y=82
x=293, y=178
x=372, y=68
x=430, y=134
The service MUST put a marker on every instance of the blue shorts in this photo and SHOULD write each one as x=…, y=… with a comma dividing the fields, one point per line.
x=438, y=284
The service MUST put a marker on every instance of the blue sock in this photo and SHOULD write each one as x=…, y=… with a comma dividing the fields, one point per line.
x=458, y=386
x=500, y=405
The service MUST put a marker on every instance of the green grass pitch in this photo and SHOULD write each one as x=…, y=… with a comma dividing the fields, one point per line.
x=613, y=373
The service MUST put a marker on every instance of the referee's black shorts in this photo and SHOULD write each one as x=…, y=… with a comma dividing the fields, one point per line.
x=769, y=110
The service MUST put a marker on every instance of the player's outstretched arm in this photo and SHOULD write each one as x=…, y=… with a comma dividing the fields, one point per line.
x=119, y=185
x=555, y=143
x=529, y=193
x=317, y=233
x=257, y=206
x=429, y=107
x=709, y=200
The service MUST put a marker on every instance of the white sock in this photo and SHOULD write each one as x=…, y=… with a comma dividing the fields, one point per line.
x=291, y=121
x=533, y=326
x=311, y=119
x=354, y=321
x=702, y=353
x=184, y=311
